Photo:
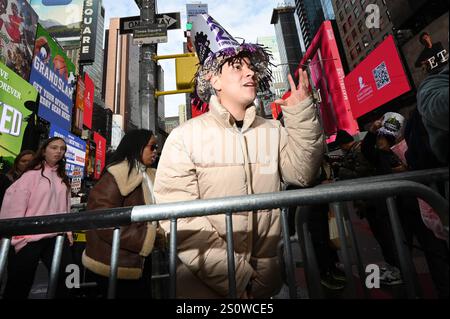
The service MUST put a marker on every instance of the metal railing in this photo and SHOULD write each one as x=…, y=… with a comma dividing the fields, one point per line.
x=336, y=194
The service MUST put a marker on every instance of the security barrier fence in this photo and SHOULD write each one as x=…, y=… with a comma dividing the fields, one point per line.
x=337, y=194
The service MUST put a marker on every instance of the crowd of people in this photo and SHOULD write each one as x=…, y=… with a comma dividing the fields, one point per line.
x=228, y=151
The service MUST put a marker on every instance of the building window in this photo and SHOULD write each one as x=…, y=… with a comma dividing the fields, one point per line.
x=353, y=54
x=347, y=7
x=345, y=27
x=358, y=48
x=341, y=16
x=356, y=12
x=362, y=3
x=350, y=20
x=353, y=2
x=354, y=34
x=348, y=41
x=361, y=26
x=373, y=33
x=338, y=3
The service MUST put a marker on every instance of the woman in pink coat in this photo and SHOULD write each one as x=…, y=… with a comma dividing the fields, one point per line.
x=43, y=189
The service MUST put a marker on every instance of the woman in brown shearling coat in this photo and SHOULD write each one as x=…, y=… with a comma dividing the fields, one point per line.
x=127, y=181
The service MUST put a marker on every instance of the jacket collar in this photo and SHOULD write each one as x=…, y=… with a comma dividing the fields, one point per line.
x=128, y=183
x=222, y=115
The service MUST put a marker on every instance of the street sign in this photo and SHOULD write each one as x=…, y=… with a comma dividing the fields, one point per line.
x=153, y=33
x=171, y=20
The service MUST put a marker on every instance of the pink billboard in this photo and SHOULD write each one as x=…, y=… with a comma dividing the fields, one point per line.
x=328, y=75
x=378, y=79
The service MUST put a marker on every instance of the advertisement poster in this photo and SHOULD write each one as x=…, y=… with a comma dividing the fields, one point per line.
x=100, y=154
x=423, y=61
x=62, y=18
x=378, y=79
x=14, y=95
x=18, y=23
x=88, y=104
x=75, y=156
x=53, y=75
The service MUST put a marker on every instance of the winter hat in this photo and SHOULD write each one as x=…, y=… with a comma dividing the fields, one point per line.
x=343, y=137
x=214, y=45
x=392, y=124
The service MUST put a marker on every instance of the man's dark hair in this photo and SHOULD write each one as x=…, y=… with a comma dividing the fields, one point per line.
x=131, y=147
x=421, y=37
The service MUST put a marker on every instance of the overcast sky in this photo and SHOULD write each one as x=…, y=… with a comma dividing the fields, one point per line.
x=244, y=19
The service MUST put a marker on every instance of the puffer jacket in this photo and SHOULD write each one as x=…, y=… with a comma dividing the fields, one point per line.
x=118, y=189
x=209, y=157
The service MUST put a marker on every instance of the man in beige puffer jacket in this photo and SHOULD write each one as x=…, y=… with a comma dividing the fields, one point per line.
x=231, y=151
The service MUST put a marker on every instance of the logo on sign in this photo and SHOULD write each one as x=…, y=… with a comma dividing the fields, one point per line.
x=365, y=91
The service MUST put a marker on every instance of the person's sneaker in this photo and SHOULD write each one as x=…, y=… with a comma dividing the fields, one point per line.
x=338, y=274
x=390, y=275
x=329, y=282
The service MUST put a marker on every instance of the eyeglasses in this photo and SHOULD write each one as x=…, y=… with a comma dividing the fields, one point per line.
x=152, y=146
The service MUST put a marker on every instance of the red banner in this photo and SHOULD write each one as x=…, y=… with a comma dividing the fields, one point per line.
x=100, y=154
x=327, y=75
x=377, y=80
x=88, y=101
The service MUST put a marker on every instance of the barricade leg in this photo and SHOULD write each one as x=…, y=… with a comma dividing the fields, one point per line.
x=288, y=259
x=351, y=233
x=173, y=259
x=4, y=250
x=230, y=257
x=405, y=259
x=56, y=265
x=338, y=209
x=114, y=264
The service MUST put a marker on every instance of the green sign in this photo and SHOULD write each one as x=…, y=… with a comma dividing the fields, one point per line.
x=14, y=92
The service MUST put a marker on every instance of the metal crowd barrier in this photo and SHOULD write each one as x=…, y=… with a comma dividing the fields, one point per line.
x=335, y=194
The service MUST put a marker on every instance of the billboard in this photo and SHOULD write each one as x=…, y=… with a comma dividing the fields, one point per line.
x=53, y=75
x=14, y=95
x=89, y=31
x=62, y=18
x=75, y=156
x=378, y=79
x=435, y=57
x=17, y=33
x=327, y=75
x=100, y=154
x=88, y=104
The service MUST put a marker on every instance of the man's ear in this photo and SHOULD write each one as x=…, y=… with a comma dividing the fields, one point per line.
x=216, y=83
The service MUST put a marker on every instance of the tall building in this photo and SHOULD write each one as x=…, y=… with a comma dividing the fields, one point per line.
x=122, y=84
x=95, y=70
x=171, y=123
x=311, y=15
x=280, y=83
x=182, y=113
x=287, y=38
x=358, y=39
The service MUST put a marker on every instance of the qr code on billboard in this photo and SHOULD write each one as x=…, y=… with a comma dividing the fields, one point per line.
x=381, y=75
